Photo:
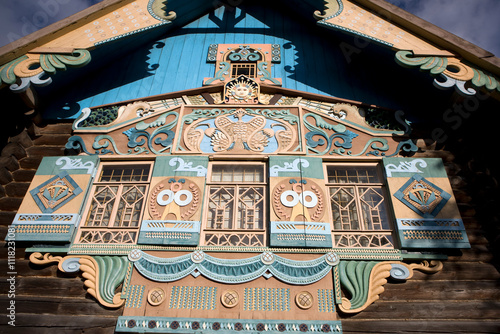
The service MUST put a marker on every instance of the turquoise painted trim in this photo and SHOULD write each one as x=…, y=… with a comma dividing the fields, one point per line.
x=185, y=233
x=353, y=32
x=140, y=324
x=232, y=271
x=296, y=166
x=72, y=165
x=53, y=233
x=407, y=167
x=132, y=33
x=431, y=224
x=53, y=249
x=285, y=234
x=190, y=166
x=385, y=254
x=433, y=239
x=44, y=227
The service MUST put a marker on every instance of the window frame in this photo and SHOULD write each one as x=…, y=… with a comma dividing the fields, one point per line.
x=111, y=227
x=205, y=229
x=362, y=231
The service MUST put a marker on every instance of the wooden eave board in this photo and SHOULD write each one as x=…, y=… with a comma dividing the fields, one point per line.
x=177, y=62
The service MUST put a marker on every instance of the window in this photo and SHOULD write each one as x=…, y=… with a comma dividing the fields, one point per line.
x=360, y=217
x=236, y=205
x=116, y=204
x=238, y=69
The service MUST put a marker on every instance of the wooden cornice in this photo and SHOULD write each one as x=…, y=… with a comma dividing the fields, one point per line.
x=32, y=41
x=438, y=36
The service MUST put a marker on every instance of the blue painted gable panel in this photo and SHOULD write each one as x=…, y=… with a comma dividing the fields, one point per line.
x=313, y=60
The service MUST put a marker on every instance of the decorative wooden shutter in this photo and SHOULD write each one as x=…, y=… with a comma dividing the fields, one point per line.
x=52, y=207
x=426, y=212
x=173, y=215
x=298, y=202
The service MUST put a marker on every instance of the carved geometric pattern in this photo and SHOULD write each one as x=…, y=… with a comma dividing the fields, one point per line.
x=422, y=196
x=230, y=298
x=266, y=299
x=156, y=296
x=304, y=300
x=326, y=300
x=55, y=192
x=193, y=297
x=367, y=239
x=135, y=295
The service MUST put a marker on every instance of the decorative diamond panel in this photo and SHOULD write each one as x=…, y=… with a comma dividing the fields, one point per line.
x=422, y=196
x=55, y=192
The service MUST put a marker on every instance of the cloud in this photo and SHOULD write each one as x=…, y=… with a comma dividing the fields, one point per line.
x=23, y=17
x=475, y=21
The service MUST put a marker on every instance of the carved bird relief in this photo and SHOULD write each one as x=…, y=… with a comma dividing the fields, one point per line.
x=239, y=136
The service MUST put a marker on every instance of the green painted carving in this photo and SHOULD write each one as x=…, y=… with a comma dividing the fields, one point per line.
x=111, y=271
x=354, y=278
x=266, y=75
x=438, y=66
x=219, y=75
x=7, y=75
x=383, y=119
x=435, y=65
x=97, y=117
x=50, y=63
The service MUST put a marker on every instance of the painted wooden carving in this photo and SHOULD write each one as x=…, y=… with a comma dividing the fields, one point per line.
x=411, y=50
x=426, y=213
x=52, y=209
x=299, y=202
x=234, y=60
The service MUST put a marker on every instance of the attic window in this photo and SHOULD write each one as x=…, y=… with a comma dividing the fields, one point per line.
x=238, y=69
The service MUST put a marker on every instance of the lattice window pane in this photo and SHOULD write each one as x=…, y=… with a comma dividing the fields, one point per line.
x=373, y=208
x=130, y=206
x=345, y=214
x=251, y=208
x=102, y=206
x=352, y=174
x=221, y=208
x=238, y=69
x=358, y=207
x=236, y=203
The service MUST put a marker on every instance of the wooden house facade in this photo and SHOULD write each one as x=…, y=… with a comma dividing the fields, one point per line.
x=248, y=167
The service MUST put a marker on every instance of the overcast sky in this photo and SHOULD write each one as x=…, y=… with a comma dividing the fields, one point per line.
x=477, y=21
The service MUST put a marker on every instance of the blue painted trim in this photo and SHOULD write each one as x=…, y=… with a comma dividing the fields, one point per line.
x=154, y=232
x=232, y=271
x=285, y=234
x=431, y=224
x=139, y=324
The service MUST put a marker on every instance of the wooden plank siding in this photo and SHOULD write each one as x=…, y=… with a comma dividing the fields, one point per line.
x=314, y=60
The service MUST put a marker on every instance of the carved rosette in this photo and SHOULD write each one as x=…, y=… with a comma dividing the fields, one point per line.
x=174, y=199
x=298, y=200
